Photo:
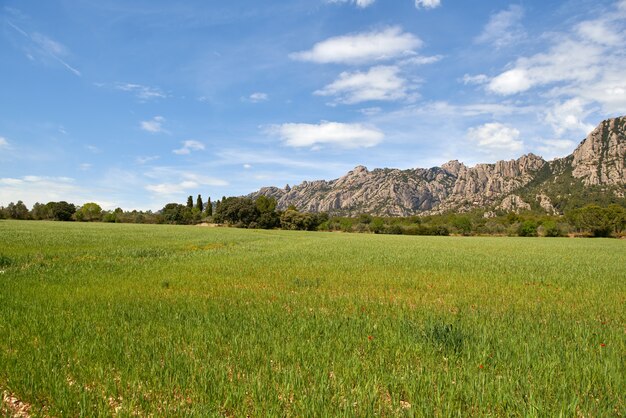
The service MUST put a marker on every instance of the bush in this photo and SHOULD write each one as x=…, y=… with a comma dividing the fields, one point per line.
x=527, y=229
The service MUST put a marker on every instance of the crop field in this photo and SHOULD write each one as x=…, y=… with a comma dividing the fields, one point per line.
x=149, y=320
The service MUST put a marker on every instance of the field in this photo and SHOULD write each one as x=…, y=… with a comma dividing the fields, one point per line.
x=111, y=319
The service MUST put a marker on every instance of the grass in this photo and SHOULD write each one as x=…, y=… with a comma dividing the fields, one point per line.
x=101, y=319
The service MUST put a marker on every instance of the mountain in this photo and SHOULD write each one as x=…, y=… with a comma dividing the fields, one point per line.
x=594, y=173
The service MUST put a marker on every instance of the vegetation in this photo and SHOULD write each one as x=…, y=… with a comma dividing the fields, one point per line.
x=111, y=319
x=262, y=213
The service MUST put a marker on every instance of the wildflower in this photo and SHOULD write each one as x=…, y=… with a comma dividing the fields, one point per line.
x=480, y=366
x=369, y=337
x=602, y=345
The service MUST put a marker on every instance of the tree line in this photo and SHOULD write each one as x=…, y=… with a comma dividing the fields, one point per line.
x=262, y=213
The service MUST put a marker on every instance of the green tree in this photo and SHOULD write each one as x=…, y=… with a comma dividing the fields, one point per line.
x=190, y=202
x=463, y=224
x=174, y=213
x=40, y=211
x=265, y=204
x=527, y=229
x=209, y=208
x=199, y=204
x=62, y=211
x=89, y=212
x=18, y=210
x=238, y=211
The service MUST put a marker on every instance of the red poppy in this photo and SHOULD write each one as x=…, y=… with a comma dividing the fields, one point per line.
x=369, y=337
x=602, y=345
x=480, y=366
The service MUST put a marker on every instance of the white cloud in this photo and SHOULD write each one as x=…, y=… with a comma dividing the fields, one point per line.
x=153, y=126
x=247, y=166
x=361, y=48
x=504, y=28
x=380, y=83
x=144, y=160
x=554, y=148
x=427, y=4
x=85, y=166
x=336, y=134
x=32, y=189
x=258, y=97
x=45, y=49
x=568, y=117
x=511, y=82
x=4, y=144
x=360, y=3
x=495, y=137
x=140, y=91
x=475, y=79
x=586, y=62
x=185, y=182
x=421, y=60
x=188, y=147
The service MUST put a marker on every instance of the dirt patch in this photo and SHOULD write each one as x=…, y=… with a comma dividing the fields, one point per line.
x=11, y=406
x=208, y=225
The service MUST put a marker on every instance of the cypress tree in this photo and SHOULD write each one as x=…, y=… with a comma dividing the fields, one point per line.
x=209, y=207
x=199, y=204
x=190, y=202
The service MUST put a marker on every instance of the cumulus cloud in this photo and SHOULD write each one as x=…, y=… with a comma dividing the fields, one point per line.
x=569, y=116
x=594, y=75
x=341, y=135
x=188, y=147
x=4, y=144
x=381, y=83
x=258, y=97
x=154, y=126
x=504, y=28
x=378, y=45
x=495, y=137
x=360, y=3
x=427, y=4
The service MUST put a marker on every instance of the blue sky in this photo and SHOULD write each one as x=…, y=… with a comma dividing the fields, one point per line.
x=140, y=103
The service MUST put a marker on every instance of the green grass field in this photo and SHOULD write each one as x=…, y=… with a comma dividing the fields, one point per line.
x=111, y=319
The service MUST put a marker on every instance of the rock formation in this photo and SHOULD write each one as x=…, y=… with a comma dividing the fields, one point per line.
x=515, y=185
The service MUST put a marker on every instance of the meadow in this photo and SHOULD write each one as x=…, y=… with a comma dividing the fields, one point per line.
x=120, y=320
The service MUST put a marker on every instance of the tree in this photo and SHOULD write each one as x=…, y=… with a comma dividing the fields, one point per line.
x=209, y=208
x=190, y=202
x=18, y=210
x=463, y=224
x=265, y=204
x=40, y=211
x=199, y=204
x=593, y=219
x=174, y=213
x=239, y=211
x=527, y=229
x=89, y=212
x=62, y=211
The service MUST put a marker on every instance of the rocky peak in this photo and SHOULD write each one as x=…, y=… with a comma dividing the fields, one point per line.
x=454, y=167
x=601, y=158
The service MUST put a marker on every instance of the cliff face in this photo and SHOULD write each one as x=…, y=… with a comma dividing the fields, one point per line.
x=600, y=160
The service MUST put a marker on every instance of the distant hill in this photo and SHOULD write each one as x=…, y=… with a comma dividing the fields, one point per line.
x=594, y=173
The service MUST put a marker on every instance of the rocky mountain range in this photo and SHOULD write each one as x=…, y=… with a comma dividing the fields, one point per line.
x=594, y=173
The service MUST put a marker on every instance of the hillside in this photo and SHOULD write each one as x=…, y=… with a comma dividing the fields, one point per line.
x=594, y=173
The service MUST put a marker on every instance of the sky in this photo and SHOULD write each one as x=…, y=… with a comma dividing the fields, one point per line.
x=135, y=104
